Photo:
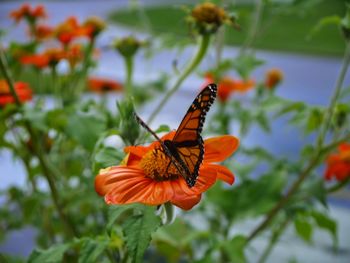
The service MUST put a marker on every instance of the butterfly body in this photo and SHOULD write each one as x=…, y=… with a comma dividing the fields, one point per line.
x=186, y=149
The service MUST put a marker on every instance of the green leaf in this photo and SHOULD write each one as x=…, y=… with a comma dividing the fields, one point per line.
x=91, y=250
x=325, y=21
x=327, y=223
x=345, y=22
x=245, y=64
x=303, y=228
x=235, y=249
x=138, y=230
x=116, y=211
x=314, y=120
x=106, y=157
x=85, y=128
x=54, y=254
x=162, y=128
x=37, y=118
x=263, y=121
x=290, y=107
x=265, y=191
x=57, y=119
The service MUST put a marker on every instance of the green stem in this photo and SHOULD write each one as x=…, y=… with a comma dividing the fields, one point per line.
x=318, y=152
x=275, y=237
x=47, y=172
x=254, y=26
x=79, y=78
x=331, y=107
x=192, y=65
x=129, y=65
x=219, y=45
x=6, y=74
x=338, y=186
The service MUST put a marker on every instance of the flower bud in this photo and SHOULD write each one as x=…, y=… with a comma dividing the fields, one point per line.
x=273, y=78
x=127, y=46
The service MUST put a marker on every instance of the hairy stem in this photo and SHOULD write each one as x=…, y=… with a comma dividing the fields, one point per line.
x=192, y=65
x=129, y=65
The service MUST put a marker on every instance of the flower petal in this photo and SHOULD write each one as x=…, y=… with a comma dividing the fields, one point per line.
x=125, y=185
x=223, y=173
x=217, y=149
x=144, y=191
x=187, y=203
x=109, y=177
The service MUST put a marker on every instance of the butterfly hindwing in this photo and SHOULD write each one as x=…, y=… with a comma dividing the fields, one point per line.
x=187, y=144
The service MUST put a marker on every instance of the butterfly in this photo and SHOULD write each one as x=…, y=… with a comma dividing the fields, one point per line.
x=186, y=149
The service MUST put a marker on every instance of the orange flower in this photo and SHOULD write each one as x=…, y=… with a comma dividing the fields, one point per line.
x=37, y=60
x=42, y=32
x=94, y=26
x=68, y=30
x=50, y=57
x=103, y=85
x=22, y=90
x=338, y=165
x=54, y=55
x=228, y=85
x=143, y=178
x=273, y=78
x=28, y=13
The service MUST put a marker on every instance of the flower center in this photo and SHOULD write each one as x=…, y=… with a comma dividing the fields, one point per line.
x=158, y=166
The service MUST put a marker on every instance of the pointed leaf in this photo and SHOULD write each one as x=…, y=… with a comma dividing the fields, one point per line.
x=138, y=230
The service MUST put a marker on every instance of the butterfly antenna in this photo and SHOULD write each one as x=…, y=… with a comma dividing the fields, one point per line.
x=145, y=126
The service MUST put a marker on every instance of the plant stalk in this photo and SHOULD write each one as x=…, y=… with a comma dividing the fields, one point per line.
x=203, y=47
x=129, y=65
x=318, y=152
x=47, y=172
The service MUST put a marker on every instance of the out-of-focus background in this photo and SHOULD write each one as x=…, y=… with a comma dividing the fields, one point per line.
x=290, y=41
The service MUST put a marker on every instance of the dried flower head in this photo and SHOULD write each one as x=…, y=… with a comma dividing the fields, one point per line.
x=207, y=18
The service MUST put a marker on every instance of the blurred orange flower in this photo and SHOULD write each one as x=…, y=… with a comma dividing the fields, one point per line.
x=38, y=60
x=103, y=85
x=42, y=32
x=29, y=13
x=93, y=26
x=50, y=57
x=273, y=77
x=228, y=85
x=54, y=55
x=338, y=164
x=143, y=178
x=68, y=30
x=22, y=90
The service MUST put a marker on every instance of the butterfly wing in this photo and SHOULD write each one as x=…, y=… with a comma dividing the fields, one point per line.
x=187, y=145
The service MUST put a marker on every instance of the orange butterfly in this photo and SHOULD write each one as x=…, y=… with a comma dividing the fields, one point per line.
x=186, y=149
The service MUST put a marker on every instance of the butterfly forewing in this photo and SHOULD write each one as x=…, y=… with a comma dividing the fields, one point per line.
x=187, y=140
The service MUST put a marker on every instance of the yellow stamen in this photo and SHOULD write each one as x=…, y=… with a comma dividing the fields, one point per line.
x=158, y=166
